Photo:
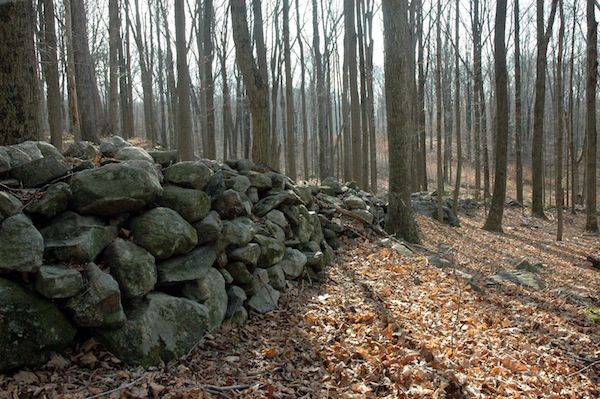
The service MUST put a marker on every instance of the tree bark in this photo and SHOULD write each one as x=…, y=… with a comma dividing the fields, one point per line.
x=114, y=26
x=591, y=224
x=84, y=74
x=457, y=111
x=289, y=96
x=50, y=67
x=560, y=128
x=256, y=85
x=321, y=117
x=208, y=84
x=537, y=145
x=185, y=144
x=494, y=218
x=399, y=65
x=19, y=90
x=518, y=108
x=439, y=115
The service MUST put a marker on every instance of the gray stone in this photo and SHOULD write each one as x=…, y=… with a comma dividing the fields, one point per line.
x=31, y=328
x=163, y=328
x=364, y=214
x=164, y=158
x=236, y=297
x=110, y=147
x=277, y=277
x=188, y=174
x=4, y=161
x=317, y=231
x=58, y=281
x=304, y=229
x=293, y=263
x=132, y=266
x=272, y=251
x=74, y=238
x=39, y=171
x=164, y=233
x=252, y=194
x=529, y=265
x=133, y=153
x=331, y=186
x=428, y=207
x=209, y=229
x=9, y=205
x=274, y=200
x=264, y=300
x=353, y=202
x=114, y=189
x=48, y=150
x=438, y=262
x=238, y=232
x=209, y=290
x=240, y=273
x=184, y=268
x=100, y=304
x=146, y=167
x=278, y=180
x=248, y=254
x=274, y=230
x=292, y=214
x=277, y=217
x=53, y=201
x=402, y=250
x=315, y=260
x=192, y=205
x=23, y=153
x=81, y=149
x=226, y=275
x=238, y=183
x=243, y=165
x=258, y=180
x=22, y=245
x=229, y=205
x=520, y=277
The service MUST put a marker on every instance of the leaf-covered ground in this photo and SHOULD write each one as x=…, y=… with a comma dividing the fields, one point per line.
x=386, y=326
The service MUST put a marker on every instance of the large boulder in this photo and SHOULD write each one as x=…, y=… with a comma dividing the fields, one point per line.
x=31, y=328
x=110, y=147
x=113, y=189
x=58, y=281
x=53, y=201
x=229, y=205
x=40, y=171
x=133, y=153
x=238, y=232
x=20, y=154
x=209, y=229
x=188, y=174
x=293, y=263
x=74, y=238
x=519, y=277
x=192, y=205
x=184, y=268
x=265, y=297
x=236, y=312
x=9, y=205
x=272, y=251
x=274, y=200
x=132, y=266
x=164, y=233
x=209, y=290
x=21, y=245
x=163, y=328
x=100, y=304
x=248, y=254
x=4, y=161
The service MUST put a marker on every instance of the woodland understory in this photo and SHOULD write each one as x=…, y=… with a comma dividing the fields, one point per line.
x=385, y=326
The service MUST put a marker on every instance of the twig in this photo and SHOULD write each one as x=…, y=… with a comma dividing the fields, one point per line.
x=226, y=388
x=101, y=394
x=585, y=368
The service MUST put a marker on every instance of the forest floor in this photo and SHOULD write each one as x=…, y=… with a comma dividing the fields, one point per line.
x=385, y=326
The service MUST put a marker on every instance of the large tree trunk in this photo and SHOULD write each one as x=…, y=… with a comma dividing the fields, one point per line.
x=537, y=145
x=256, y=85
x=477, y=106
x=289, y=96
x=304, y=116
x=114, y=26
x=50, y=67
x=439, y=115
x=457, y=111
x=399, y=64
x=19, y=90
x=208, y=84
x=185, y=143
x=84, y=73
x=125, y=84
x=321, y=124
x=518, y=108
x=494, y=217
x=560, y=128
x=590, y=119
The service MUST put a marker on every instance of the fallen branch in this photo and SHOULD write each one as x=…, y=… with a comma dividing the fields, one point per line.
x=345, y=212
x=127, y=386
x=585, y=368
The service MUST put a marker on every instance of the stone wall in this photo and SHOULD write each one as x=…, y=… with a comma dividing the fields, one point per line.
x=146, y=254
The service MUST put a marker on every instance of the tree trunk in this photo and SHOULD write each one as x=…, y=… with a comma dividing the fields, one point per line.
x=208, y=84
x=324, y=170
x=185, y=144
x=439, y=115
x=50, y=67
x=19, y=90
x=114, y=26
x=363, y=96
x=537, y=145
x=371, y=97
x=478, y=82
x=125, y=84
x=304, y=116
x=72, y=87
x=591, y=224
x=494, y=218
x=457, y=111
x=256, y=85
x=289, y=96
x=84, y=74
x=560, y=128
x=421, y=96
x=518, y=108
x=399, y=67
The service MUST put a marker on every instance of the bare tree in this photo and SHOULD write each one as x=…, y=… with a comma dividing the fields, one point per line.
x=256, y=84
x=184, y=118
x=438, y=97
x=560, y=125
x=114, y=26
x=50, y=67
x=457, y=110
x=518, y=107
x=289, y=96
x=494, y=218
x=19, y=91
x=400, y=93
x=591, y=224
x=208, y=86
